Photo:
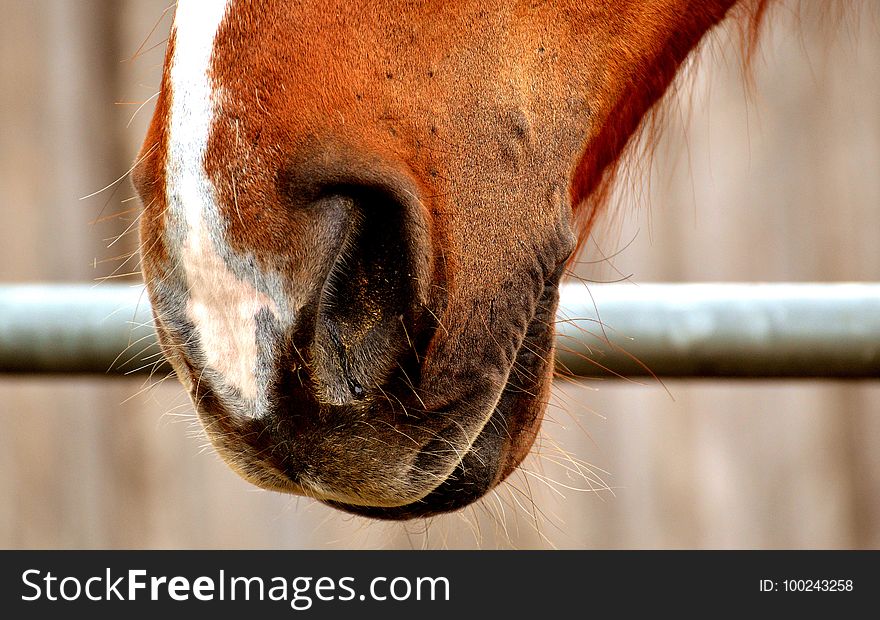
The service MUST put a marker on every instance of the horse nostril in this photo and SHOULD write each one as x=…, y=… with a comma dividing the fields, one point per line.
x=368, y=308
x=343, y=358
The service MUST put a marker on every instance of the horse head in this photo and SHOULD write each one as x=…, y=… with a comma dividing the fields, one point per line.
x=356, y=217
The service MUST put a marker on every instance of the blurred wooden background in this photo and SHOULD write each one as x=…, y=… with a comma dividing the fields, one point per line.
x=779, y=185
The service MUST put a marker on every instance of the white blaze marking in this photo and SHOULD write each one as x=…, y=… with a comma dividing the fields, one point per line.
x=221, y=306
x=223, y=309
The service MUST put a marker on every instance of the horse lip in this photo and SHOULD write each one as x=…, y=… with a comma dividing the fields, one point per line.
x=431, y=468
x=426, y=504
x=441, y=473
x=418, y=479
x=471, y=487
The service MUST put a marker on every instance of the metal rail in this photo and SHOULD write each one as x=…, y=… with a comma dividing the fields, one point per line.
x=721, y=330
x=670, y=330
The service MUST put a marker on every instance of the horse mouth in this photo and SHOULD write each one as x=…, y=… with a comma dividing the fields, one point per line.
x=367, y=458
x=506, y=437
x=475, y=474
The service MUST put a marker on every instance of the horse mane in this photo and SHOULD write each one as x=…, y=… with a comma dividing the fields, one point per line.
x=631, y=143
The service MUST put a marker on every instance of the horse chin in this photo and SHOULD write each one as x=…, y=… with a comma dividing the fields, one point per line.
x=494, y=454
x=506, y=438
x=488, y=462
x=498, y=449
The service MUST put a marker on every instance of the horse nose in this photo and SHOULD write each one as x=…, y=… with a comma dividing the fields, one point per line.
x=368, y=316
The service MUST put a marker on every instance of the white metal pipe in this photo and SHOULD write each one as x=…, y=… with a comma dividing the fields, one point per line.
x=671, y=330
x=721, y=330
x=75, y=328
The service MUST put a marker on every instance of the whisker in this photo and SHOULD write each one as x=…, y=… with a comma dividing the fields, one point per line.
x=146, y=154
